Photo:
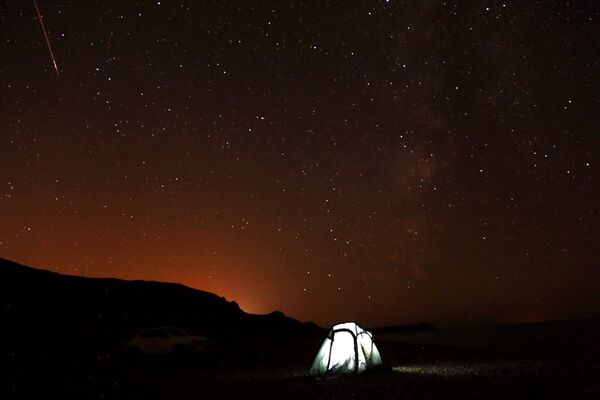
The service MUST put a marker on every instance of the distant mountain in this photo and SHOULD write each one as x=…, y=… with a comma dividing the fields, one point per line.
x=421, y=327
x=33, y=298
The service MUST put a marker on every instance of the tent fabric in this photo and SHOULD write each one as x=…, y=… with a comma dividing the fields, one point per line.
x=347, y=349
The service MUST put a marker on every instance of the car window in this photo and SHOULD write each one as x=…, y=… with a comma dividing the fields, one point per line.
x=154, y=333
x=176, y=332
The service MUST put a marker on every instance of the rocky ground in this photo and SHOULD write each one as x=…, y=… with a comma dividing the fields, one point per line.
x=274, y=368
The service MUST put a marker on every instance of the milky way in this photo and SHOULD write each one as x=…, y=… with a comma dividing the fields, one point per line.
x=380, y=161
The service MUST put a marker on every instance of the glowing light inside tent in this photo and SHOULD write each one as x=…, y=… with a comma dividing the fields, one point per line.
x=342, y=352
x=346, y=344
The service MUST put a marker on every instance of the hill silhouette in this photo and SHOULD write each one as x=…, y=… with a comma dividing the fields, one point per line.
x=420, y=327
x=39, y=298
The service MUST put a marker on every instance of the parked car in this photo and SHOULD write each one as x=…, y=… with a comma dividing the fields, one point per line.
x=164, y=340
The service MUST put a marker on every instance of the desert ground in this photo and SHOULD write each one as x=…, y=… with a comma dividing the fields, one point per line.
x=550, y=360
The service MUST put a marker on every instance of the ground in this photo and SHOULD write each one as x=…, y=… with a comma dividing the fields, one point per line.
x=275, y=367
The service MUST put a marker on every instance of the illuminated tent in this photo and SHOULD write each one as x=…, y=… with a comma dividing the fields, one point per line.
x=348, y=349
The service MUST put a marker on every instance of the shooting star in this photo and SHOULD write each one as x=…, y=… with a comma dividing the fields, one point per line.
x=46, y=36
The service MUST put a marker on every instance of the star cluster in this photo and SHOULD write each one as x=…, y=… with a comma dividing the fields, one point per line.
x=381, y=161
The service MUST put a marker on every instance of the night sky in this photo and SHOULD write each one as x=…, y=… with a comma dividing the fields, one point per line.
x=380, y=161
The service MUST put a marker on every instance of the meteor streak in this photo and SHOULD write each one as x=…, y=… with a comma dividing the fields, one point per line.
x=45, y=36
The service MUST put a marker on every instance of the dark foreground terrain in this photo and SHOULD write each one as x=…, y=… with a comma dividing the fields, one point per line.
x=274, y=368
x=64, y=337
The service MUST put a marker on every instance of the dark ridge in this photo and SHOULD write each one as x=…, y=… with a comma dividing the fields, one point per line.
x=34, y=298
x=421, y=327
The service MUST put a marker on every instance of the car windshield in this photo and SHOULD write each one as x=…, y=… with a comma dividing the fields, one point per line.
x=176, y=332
x=154, y=333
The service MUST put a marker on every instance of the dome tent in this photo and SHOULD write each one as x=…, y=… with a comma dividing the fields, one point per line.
x=347, y=349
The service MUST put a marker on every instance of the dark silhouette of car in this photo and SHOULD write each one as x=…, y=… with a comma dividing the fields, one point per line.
x=164, y=340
